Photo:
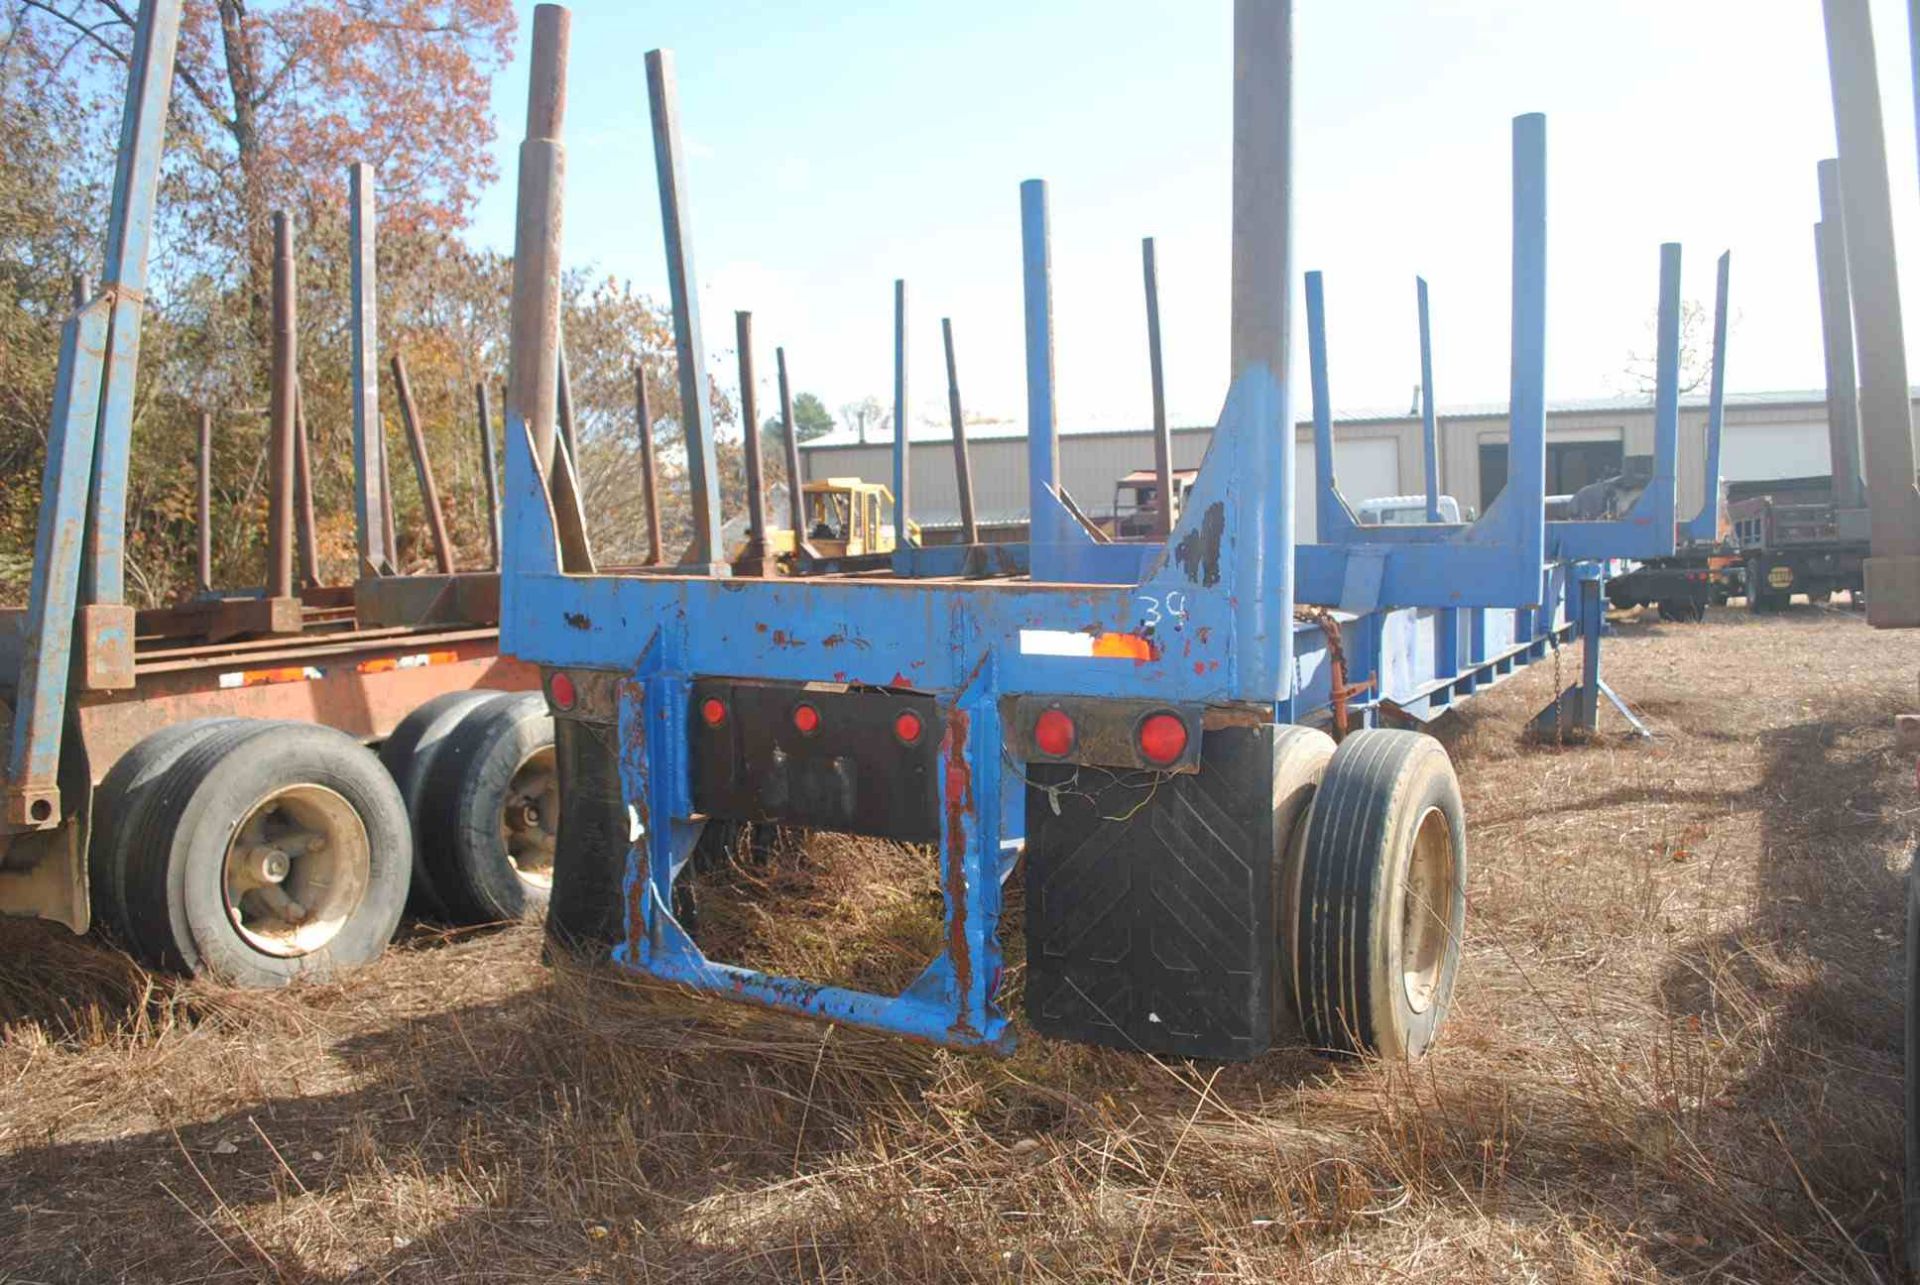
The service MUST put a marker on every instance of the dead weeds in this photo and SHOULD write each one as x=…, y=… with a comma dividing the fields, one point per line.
x=1674, y=1056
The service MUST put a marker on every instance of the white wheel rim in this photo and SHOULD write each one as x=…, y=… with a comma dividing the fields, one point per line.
x=530, y=819
x=296, y=869
x=1426, y=910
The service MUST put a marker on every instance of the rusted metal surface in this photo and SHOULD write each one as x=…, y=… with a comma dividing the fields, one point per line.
x=962, y=467
x=412, y=602
x=649, y=470
x=1162, y=438
x=308, y=531
x=103, y=642
x=280, y=449
x=755, y=556
x=488, y=470
x=423, y=467
x=569, y=434
x=533, y=370
x=203, y=513
x=364, y=692
x=902, y=422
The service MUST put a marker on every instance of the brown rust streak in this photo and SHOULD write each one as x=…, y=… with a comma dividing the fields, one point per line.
x=960, y=805
x=634, y=750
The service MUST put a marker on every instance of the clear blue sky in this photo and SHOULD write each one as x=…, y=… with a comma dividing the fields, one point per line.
x=835, y=147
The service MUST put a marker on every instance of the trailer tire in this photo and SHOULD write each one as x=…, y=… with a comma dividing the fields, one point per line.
x=490, y=810
x=225, y=877
x=409, y=756
x=1383, y=896
x=116, y=807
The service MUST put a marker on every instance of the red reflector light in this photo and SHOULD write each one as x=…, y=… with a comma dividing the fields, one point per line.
x=1053, y=733
x=1163, y=738
x=563, y=692
x=907, y=727
x=712, y=712
x=807, y=719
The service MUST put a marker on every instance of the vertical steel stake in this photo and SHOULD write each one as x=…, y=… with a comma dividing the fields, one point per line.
x=280, y=449
x=1429, y=429
x=307, y=529
x=1164, y=514
x=372, y=494
x=696, y=411
x=796, y=502
x=756, y=553
x=902, y=417
x=422, y=467
x=1836, y=328
x=485, y=411
x=962, y=468
x=649, y=471
x=203, y=512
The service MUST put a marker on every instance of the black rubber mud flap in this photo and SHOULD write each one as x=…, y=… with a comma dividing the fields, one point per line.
x=1152, y=903
x=587, y=913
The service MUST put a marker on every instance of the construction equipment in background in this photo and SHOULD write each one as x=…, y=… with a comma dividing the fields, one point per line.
x=1137, y=506
x=1140, y=727
x=199, y=779
x=846, y=520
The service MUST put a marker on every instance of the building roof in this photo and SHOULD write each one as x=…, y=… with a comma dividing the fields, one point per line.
x=842, y=438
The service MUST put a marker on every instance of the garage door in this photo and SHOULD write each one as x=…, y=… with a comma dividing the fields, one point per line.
x=1761, y=452
x=1365, y=468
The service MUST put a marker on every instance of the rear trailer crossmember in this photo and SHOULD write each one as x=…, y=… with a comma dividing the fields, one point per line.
x=1144, y=714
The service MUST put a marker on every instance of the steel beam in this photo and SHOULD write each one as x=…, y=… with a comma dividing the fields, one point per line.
x=696, y=409
x=1704, y=526
x=1043, y=442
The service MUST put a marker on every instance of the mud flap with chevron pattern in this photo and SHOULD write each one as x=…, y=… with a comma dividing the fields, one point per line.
x=1152, y=903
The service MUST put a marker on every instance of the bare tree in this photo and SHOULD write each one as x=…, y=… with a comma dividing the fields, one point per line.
x=1642, y=370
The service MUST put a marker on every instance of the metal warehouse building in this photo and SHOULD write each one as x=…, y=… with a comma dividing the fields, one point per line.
x=1768, y=435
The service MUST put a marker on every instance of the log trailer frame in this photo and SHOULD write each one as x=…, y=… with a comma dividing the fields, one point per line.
x=1205, y=872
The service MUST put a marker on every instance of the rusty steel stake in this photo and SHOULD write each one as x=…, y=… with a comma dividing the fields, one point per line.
x=648, y=477
x=796, y=502
x=280, y=456
x=423, y=467
x=308, y=531
x=204, y=509
x=756, y=553
x=1162, y=439
x=487, y=469
x=962, y=468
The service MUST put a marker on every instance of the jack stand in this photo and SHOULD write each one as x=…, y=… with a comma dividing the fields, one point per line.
x=1575, y=713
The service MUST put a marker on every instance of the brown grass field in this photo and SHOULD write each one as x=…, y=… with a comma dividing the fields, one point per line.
x=1674, y=1055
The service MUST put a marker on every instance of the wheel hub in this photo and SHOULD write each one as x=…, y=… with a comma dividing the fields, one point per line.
x=530, y=818
x=296, y=869
x=1426, y=914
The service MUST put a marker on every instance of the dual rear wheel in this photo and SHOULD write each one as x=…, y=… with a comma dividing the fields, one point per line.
x=261, y=851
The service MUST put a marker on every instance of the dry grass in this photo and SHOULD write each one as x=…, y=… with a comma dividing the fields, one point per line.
x=1675, y=1056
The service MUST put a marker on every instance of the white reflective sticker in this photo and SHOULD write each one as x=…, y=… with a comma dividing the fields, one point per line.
x=1055, y=642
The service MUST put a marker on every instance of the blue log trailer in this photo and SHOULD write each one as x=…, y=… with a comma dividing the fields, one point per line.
x=200, y=778
x=1206, y=872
